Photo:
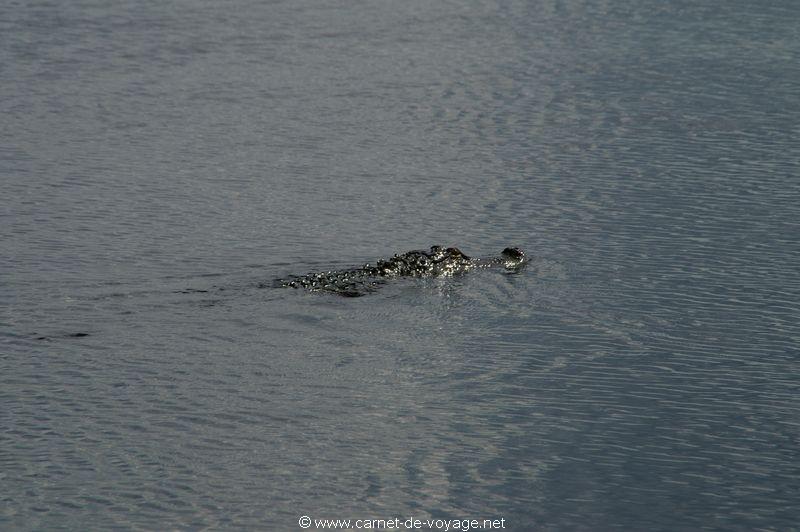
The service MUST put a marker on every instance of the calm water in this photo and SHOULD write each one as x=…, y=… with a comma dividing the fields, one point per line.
x=160, y=162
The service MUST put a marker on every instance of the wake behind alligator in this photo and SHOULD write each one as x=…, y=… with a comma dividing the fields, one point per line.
x=438, y=262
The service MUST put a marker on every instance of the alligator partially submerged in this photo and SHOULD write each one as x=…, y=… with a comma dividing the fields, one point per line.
x=437, y=262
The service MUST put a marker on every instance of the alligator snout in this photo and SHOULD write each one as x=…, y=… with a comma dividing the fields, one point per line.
x=513, y=258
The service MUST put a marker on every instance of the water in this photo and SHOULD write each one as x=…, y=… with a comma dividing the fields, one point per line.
x=161, y=161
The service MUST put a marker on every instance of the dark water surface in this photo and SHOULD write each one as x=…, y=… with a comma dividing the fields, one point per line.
x=161, y=162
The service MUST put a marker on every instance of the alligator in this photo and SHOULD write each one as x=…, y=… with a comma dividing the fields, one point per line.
x=438, y=262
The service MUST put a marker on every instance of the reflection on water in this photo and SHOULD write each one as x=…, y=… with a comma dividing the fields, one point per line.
x=161, y=164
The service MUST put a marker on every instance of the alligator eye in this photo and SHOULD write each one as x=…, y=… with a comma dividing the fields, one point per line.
x=456, y=253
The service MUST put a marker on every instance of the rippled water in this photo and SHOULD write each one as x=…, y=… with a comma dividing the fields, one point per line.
x=161, y=162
